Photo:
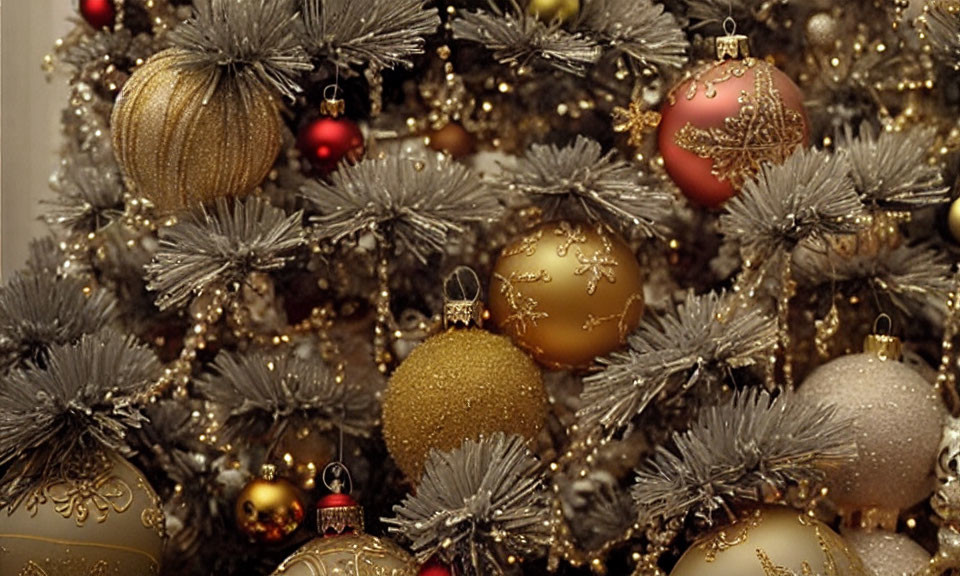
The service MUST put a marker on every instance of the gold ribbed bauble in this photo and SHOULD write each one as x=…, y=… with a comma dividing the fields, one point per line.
x=348, y=555
x=887, y=553
x=99, y=516
x=458, y=385
x=550, y=10
x=567, y=293
x=269, y=508
x=182, y=143
x=771, y=542
x=897, y=419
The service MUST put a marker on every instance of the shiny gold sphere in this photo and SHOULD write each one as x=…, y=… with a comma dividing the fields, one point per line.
x=897, y=421
x=269, y=509
x=458, y=385
x=550, y=10
x=178, y=150
x=769, y=542
x=348, y=555
x=953, y=220
x=567, y=293
x=95, y=516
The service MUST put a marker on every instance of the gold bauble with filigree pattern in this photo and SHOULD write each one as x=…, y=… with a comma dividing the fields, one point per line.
x=97, y=517
x=567, y=292
x=349, y=555
x=183, y=142
x=771, y=542
x=459, y=385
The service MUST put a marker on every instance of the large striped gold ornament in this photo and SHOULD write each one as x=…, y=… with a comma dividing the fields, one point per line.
x=185, y=136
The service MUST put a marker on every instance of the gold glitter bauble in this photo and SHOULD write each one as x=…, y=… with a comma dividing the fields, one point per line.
x=550, y=10
x=349, y=555
x=567, y=293
x=269, y=508
x=182, y=144
x=458, y=385
x=953, y=220
x=887, y=553
x=897, y=419
x=771, y=542
x=98, y=516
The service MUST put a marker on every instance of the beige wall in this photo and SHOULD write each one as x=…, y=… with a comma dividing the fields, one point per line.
x=29, y=118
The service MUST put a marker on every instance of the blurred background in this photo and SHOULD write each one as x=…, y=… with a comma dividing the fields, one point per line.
x=29, y=119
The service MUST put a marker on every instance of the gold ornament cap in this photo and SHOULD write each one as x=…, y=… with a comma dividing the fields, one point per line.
x=461, y=298
x=732, y=45
x=331, y=105
x=884, y=346
x=338, y=513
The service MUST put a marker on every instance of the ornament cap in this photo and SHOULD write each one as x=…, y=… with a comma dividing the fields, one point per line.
x=732, y=45
x=332, y=105
x=268, y=472
x=338, y=512
x=884, y=346
x=461, y=298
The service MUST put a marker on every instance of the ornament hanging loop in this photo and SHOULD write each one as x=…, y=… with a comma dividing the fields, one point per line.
x=884, y=345
x=336, y=477
x=732, y=45
x=461, y=298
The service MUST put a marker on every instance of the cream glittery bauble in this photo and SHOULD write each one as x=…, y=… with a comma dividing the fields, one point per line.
x=771, y=542
x=567, y=293
x=100, y=516
x=897, y=419
x=179, y=151
x=887, y=553
x=348, y=555
x=458, y=385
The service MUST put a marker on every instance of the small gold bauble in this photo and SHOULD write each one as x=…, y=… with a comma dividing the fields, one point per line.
x=771, y=542
x=305, y=452
x=459, y=385
x=349, y=555
x=182, y=144
x=550, y=10
x=897, y=421
x=953, y=220
x=100, y=516
x=887, y=553
x=452, y=139
x=269, y=508
x=567, y=293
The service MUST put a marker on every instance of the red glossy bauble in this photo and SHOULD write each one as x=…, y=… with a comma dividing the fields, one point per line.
x=98, y=13
x=725, y=121
x=326, y=141
x=434, y=568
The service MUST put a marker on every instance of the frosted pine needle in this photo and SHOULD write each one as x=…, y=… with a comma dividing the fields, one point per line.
x=222, y=248
x=581, y=179
x=890, y=171
x=83, y=398
x=245, y=40
x=88, y=196
x=517, y=39
x=264, y=393
x=738, y=451
x=38, y=310
x=476, y=506
x=697, y=344
x=381, y=33
x=941, y=26
x=416, y=204
x=809, y=196
x=638, y=28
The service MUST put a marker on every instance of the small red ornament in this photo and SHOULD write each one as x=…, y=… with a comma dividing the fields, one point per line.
x=726, y=120
x=339, y=513
x=326, y=141
x=434, y=568
x=98, y=13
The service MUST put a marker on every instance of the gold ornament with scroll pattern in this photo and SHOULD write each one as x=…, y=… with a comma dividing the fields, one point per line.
x=567, y=292
x=349, y=555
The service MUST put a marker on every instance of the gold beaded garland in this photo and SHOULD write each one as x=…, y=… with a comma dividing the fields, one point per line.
x=457, y=385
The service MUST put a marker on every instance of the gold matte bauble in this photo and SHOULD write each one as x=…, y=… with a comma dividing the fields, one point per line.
x=98, y=516
x=887, y=553
x=550, y=10
x=269, y=509
x=459, y=385
x=897, y=421
x=349, y=555
x=771, y=542
x=182, y=143
x=567, y=293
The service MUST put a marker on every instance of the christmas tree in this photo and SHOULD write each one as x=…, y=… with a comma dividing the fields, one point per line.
x=484, y=287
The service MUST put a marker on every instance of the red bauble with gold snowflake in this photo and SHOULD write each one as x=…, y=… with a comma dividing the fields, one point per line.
x=724, y=121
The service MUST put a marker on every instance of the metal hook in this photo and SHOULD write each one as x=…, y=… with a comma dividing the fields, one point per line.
x=876, y=324
x=729, y=26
